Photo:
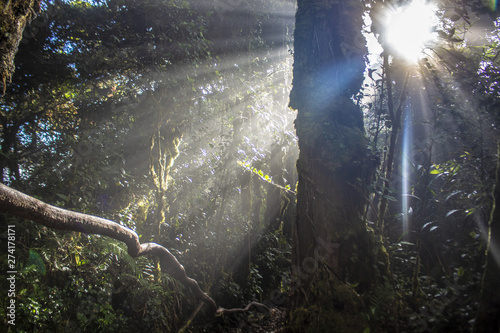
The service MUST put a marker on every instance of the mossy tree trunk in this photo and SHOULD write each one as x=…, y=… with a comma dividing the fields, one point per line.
x=14, y=15
x=332, y=248
x=488, y=316
x=165, y=142
x=153, y=150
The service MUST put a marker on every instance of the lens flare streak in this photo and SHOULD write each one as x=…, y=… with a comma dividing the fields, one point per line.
x=405, y=166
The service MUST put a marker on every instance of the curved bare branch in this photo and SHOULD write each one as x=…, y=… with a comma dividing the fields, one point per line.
x=20, y=204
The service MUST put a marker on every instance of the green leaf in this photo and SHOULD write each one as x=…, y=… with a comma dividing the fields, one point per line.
x=470, y=211
x=62, y=196
x=451, y=195
x=390, y=198
x=452, y=212
x=428, y=224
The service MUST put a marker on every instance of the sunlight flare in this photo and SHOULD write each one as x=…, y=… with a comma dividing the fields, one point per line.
x=409, y=29
x=405, y=166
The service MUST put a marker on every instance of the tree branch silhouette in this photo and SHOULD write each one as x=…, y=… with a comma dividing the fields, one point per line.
x=22, y=205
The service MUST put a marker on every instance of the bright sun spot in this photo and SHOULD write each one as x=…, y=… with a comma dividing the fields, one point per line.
x=410, y=28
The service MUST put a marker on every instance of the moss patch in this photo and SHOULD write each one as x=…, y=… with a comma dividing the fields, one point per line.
x=14, y=16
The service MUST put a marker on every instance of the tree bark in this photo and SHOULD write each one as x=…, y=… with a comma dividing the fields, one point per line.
x=332, y=248
x=14, y=16
x=165, y=141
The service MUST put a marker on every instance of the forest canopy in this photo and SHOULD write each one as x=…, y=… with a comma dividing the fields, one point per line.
x=294, y=157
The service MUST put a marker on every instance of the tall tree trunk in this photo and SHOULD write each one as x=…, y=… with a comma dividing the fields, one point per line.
x=488, y=316
x=395, y=116
x=165, y=142
x=332, y=248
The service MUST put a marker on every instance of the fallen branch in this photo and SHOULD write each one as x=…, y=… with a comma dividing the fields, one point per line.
x=258, y=305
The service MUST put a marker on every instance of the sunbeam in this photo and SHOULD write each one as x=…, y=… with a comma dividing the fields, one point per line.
x=290, y=156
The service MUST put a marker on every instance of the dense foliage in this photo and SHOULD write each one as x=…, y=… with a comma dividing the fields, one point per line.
x=435, y=125
x=171, y=118
x=119, y=90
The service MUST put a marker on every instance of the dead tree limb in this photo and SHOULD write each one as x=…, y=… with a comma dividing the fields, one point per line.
x=263, y=308
x=22, y=205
